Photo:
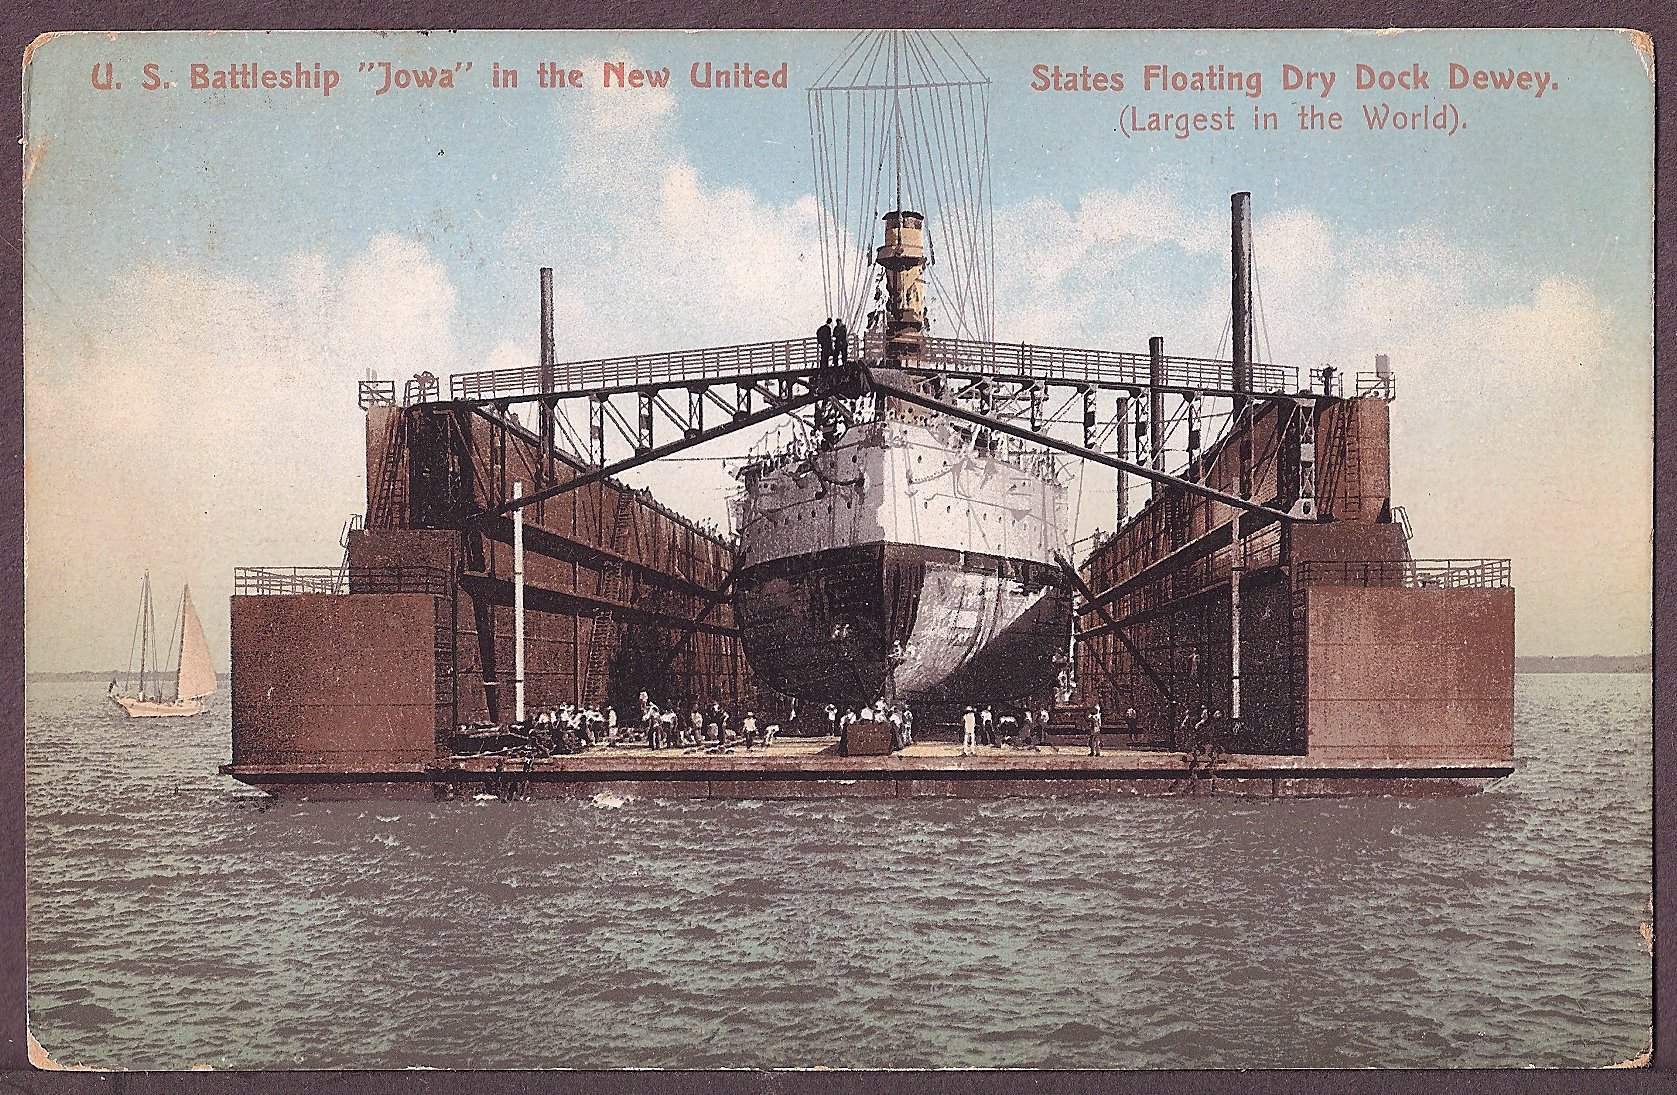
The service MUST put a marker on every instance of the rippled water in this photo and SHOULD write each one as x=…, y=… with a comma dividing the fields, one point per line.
x=172, y=923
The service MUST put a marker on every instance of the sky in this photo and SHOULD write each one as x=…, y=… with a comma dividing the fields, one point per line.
x=207, y=274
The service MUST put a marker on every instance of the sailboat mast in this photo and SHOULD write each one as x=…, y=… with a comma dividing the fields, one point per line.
x=180, y=647
x=145, y=628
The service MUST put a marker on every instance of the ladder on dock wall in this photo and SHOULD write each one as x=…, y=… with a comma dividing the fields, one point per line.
x=1342, y=472
x=602, y=633
x=391, y=500
x=443, y=650
x=1299, y=644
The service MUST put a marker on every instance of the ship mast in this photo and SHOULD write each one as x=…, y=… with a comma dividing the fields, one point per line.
x=897, y=110
x=908, y=109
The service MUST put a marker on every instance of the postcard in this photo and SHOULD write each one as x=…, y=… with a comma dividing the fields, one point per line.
x=868, y=549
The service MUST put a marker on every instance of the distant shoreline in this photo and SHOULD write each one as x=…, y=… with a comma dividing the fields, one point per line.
x=89, y=675
x=1540, y=663
x=1585, y=663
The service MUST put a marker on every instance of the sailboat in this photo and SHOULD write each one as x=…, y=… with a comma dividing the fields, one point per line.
x=194, y=676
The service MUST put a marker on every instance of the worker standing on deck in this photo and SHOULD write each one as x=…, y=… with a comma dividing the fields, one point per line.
x=824, y=341
x=1131, y=724
x=748, y=727
x=969, y=730
x=1095, y=731
x=908, y=726
x=1030, y=728
x=987, y=727
x=841, y=343
x=832, y=720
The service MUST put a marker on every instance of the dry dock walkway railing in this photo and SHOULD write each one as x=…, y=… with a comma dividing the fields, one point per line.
x=801, y=356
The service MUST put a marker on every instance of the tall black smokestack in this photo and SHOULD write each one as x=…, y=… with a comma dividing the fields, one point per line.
x=1240, y=295
x=546, y=377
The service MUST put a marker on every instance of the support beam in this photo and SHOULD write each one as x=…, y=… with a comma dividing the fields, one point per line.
x=643, y=435
x=1304, y=507
x=878, y=380
x=597, y=429
x=1121, y=437
x=518, y=606
x=606, y=471
x=1089, y=597
x=624, y=429
x=1237, y=569
x=1156, y=403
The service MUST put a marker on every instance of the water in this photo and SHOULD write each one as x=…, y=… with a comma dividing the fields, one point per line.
x=173, y=923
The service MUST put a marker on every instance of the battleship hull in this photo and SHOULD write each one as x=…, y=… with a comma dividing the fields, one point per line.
x=908, y=621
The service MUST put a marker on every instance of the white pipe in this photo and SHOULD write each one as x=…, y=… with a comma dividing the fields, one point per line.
x=1237, y=567
x=518, y=606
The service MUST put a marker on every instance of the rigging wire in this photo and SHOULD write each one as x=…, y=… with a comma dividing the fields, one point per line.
x=857, y=112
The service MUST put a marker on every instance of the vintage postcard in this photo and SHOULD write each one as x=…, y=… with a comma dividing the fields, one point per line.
x=866, y=549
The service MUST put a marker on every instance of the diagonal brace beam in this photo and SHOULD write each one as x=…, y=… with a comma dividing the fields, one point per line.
x=884, y=381
x=1106, y=617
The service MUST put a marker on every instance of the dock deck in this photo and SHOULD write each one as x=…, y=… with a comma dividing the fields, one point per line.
x=814, y=768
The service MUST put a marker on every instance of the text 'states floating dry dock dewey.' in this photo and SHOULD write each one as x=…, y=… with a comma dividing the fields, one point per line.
x=901, y=532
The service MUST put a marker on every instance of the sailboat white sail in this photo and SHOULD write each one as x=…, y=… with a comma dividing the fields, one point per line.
x=194, y=677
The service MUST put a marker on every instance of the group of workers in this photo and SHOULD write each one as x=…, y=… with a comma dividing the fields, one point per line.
x=712, y=729
x=896, y=715
x=571, y=728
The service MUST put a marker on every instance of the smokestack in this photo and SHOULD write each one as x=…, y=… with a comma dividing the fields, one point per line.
x=1240, y=292
x=545, y=424
x=1156, y=402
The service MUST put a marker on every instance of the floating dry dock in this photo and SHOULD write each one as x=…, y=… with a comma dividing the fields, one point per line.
x=502, y=568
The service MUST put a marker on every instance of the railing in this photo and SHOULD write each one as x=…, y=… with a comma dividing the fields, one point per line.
x=1377, y=386
x=371, y=393
x=1412, y=574
x=801, y=355
x=276, y=581
x=1072, y=365
x=711, y=363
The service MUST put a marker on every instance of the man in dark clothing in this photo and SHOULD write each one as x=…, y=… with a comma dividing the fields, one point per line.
x=824, y=341
x=841, y=343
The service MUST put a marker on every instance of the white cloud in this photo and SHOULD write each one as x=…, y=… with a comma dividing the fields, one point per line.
x=1523, y=423
x=204, y=422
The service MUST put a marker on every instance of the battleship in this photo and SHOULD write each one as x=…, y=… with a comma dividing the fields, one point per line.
x=900, y=529
x=898, y=553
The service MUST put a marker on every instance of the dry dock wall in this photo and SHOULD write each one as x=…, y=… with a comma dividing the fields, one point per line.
x=1346, y=653
x=619, y=597
x=1410, y=674
x=339, y=680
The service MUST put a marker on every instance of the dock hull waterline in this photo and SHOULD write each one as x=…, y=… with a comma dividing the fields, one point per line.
x=813, y=768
